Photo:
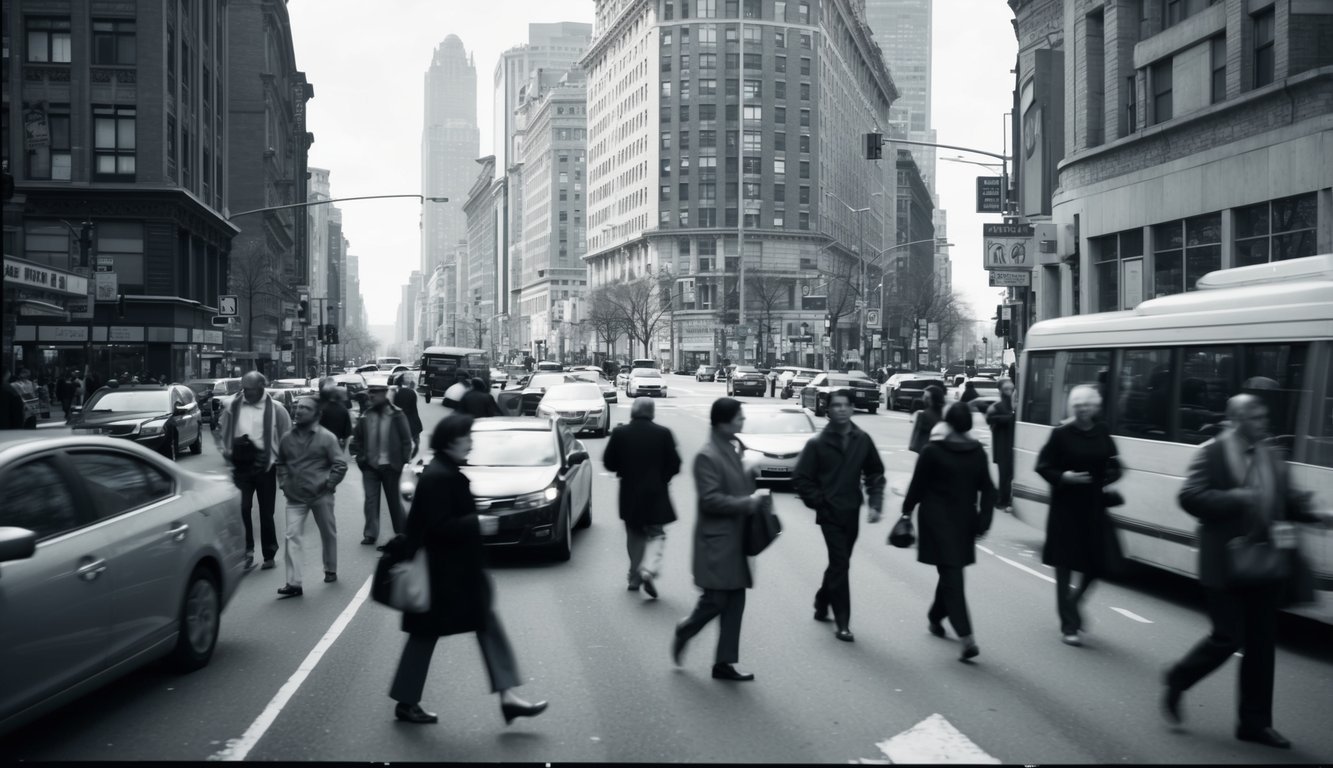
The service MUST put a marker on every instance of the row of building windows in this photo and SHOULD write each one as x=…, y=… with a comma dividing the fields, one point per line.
x=751, y=164
x=753, y=89
x=114, y=143
x=752, y=190
x=706, y=36
x=50, y=243
x=707, y=217
x=49, y=41
x=751, y=143
x=779, y=10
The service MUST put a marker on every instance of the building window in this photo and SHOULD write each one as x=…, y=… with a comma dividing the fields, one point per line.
x=804, y=143
x=123, y=241
x=805, y=123
x=733, y=34
x=47, y=243
x=805, y=195
x=1118, y=263
x=666, y=89
x=754, y=61
x=1264, y=63
x=780, y=10
x=805, y=65
x=780, y=139
x=806, y=41
x=779, y=167
x=666, y=63
x=707, y=87
x=708, y=61
x=48, y=40
x=733, y=91
x=780, y=63
x=753, y=89
x=779, y=193
x=706, y=9
x=805, y=91
x=804, y=13
x=1277, y=231
x=805, y=169
x=683, y=217
x=733, y=61
x=803, y=220
x=664, y=193
x=1185, y=251
x=753, y=112
x=113, y=42
x=780, y=37
x=707, y=139
x=1161, y=91
x=752, y=9
x=1219, y=54
x=708, y=112
x=708, y=36
x=684, y=89
x=113, y=141
x=666, y=38
x=668, y=11
x=780, y=89
x=53, y=160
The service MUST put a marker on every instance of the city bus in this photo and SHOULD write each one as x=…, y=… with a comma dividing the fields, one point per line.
x=440, y=367
x=1165, y=370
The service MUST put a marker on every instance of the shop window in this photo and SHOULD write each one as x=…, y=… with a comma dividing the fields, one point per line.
x=1275, y=231
x=1185, y=251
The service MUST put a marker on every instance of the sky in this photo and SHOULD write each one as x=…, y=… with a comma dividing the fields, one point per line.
x=367, y=60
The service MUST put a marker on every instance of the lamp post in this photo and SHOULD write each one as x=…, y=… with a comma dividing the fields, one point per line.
x=805, y=331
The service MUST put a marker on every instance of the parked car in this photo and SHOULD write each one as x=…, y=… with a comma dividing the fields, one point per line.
x=706, y=373
x=865, y=392
x=622, y=376
x=910, y=390
x=773, y=439
x=988, y=391
x=891, y=383
x=533, y=475
x=645, y=381
x=205, y=390
x=746, y=379
x=163, y=418
x=222, y=388
x=111, y=557
x=796, y=381
x=577, y=406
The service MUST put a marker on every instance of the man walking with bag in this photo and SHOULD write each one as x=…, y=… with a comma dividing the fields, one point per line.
x=382, y=444
x=251, y=427
x=828, y=477
x=310, y=466
x=1238, y=488
x=643, y=455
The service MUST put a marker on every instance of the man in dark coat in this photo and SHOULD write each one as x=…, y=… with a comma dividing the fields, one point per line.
x=11, y=404
x=333, y=412
x=1237, y=486
x=643, y=455
x=828, y=477
x=405, y=397
x=478, y=402
x=1000, y=417
x=382, y=444
x=726, y=498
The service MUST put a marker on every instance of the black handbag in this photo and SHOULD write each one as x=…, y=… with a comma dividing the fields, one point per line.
x=1253, y=563
x=903, y=535
x=761, y=529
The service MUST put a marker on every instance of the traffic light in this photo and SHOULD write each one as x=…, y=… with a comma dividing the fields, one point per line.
x=331, y=335
x=303, y=310
x=85, y=243
x=320, y=332
x=1001, y=322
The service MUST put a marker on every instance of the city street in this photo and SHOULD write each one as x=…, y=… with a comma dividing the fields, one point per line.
x=307, y=678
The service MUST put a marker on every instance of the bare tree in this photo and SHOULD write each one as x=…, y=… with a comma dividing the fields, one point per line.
x=844, y=289
x=255, y=282
x=645, y=306
x=765, y=293
x=920, y=301
x=605, y=318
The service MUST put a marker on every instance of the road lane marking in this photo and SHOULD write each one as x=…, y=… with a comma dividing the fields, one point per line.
x=238, y=749
x=934, y=740
x=1131, y=615
x=1016, y=564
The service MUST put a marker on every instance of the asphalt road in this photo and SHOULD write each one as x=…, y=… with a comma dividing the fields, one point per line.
x=308, y=678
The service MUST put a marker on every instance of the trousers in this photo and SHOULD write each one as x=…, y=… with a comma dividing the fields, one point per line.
x=729, y=604
x=835, y=592
x=265, y=486
x=951, y=600
x=1242, y=618
x=297, y=513
x=373, y=479
x=1068, y=599
x=1005, y=497
x=646, y=545
x=501, y=666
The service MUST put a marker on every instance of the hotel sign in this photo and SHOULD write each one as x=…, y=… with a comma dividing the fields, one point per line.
x=26, y=273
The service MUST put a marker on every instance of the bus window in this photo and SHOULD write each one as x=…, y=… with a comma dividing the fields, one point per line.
x=1037, y=387
x=1320, y=451
x=1084, y=367
x=1207, y=381
x=1144, y=404
x=1276, y=374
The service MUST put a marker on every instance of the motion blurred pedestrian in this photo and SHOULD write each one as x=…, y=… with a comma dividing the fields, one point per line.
x=252, y=426
x=932, y=410
x=382, y=444
x=478, y=402
x=1000, y=417
x=27, y=390
x=772, y=383
x=969, y=393
x=726, y=498
x=453, y=396
x=1079, y=460
x=310, y=466
x=829, y=474
x=1239, y=488
x=951, y=484
x=643, y=454
x=11, y=403
x=334, y=414
x=444, y=521
x=405, y=397
x=65, y=392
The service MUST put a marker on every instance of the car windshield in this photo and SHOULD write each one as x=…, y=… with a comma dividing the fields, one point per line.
x=985, y=384
x=200, y=387
x=746, y=369
x=230, y=386
x=516, y=448
x=646, y=373
x=147, y=400
x=574, y=392
x=543, y=380
x=778, y=422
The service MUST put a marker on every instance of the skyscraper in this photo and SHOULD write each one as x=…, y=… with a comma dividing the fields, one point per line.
x=450, y=143
x=552, y=47
x=902, y=28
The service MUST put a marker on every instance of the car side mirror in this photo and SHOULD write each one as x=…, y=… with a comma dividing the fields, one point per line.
x=577, y=457
x=17, y=544
x=182, y=410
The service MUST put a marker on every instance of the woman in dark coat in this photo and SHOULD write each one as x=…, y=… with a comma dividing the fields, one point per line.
x=952, y=485
x=444, y=520
x=1079, y=461
x=926, y=418
x=1000, y=417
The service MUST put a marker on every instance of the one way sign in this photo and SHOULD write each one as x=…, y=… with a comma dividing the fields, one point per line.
x=227, y=306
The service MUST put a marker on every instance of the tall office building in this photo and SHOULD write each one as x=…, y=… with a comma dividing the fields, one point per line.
x=902, y=29
x=550, y=47
x=450, y=142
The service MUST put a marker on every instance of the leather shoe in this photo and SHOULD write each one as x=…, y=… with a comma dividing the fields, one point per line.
x=368, y=540
x=649, y=587
x=936, y=629
x=1266, y=736
x=521, y=709
x=268, y=565
x=729, y=672
x=1171, y=705
x=287, y=590
x=330, y=577
x=633, y=587
x=970, y=651
x=413, y=713
x=844, y=634
x=678, y=648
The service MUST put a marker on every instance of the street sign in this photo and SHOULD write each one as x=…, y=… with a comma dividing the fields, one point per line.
x=872, y=317
x=227, y=306
x=1010, y=278
x=1008, y=246
x=107, y=286
x=806, y=339
x=221, y=320
x=990, y=194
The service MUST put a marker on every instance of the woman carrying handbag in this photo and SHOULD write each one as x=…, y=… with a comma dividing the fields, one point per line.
x=444, y=520
x=951, y=483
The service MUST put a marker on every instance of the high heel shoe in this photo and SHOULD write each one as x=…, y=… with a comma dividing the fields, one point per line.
x=521, y=709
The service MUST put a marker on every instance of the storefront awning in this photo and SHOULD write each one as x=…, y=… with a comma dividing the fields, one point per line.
x=35, y=308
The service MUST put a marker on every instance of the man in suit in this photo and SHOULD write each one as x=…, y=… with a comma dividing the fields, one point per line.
x=1237, y=485
x=726, y=498
x=643, y=455
x=382, y=444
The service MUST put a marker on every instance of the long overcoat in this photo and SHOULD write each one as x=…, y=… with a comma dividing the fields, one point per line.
x=1000, y=417
x=952, y=485
x=1078, y=528
x=724, y=487
x=644, y=455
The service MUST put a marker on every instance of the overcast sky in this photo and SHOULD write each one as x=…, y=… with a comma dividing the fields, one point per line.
x=367, y=61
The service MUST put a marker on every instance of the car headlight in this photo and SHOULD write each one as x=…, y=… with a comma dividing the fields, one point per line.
x=537, y=499
x=596, y=412
x=154, y=427
x=545, y=410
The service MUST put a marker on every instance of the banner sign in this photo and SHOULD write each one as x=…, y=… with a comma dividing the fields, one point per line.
x=1008, y=246
x=1010, y=278
x=990, y=194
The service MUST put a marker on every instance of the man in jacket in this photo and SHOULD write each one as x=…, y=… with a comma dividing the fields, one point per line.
x=477, y=401
x=1237, y=486
x=726, y=498
x=382, y=444
x=643, y=455
x=828, y=477
x=1000, y=417
x=310, y=466
x=405, y=398
x=251, y=428
x=333, y=412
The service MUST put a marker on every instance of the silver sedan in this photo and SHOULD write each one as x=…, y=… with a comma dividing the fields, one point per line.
x=773, y=439
x=110, y=557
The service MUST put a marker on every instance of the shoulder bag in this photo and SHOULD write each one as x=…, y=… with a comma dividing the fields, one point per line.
x=761, y=529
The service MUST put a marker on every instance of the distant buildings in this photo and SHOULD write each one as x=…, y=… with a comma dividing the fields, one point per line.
x=449, y=145
x=485, y=224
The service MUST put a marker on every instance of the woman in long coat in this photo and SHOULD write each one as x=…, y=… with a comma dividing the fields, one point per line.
x=1000, y=417
x=444, y=521
x=951, y=484
x=926, y=418
x=1079, y=461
